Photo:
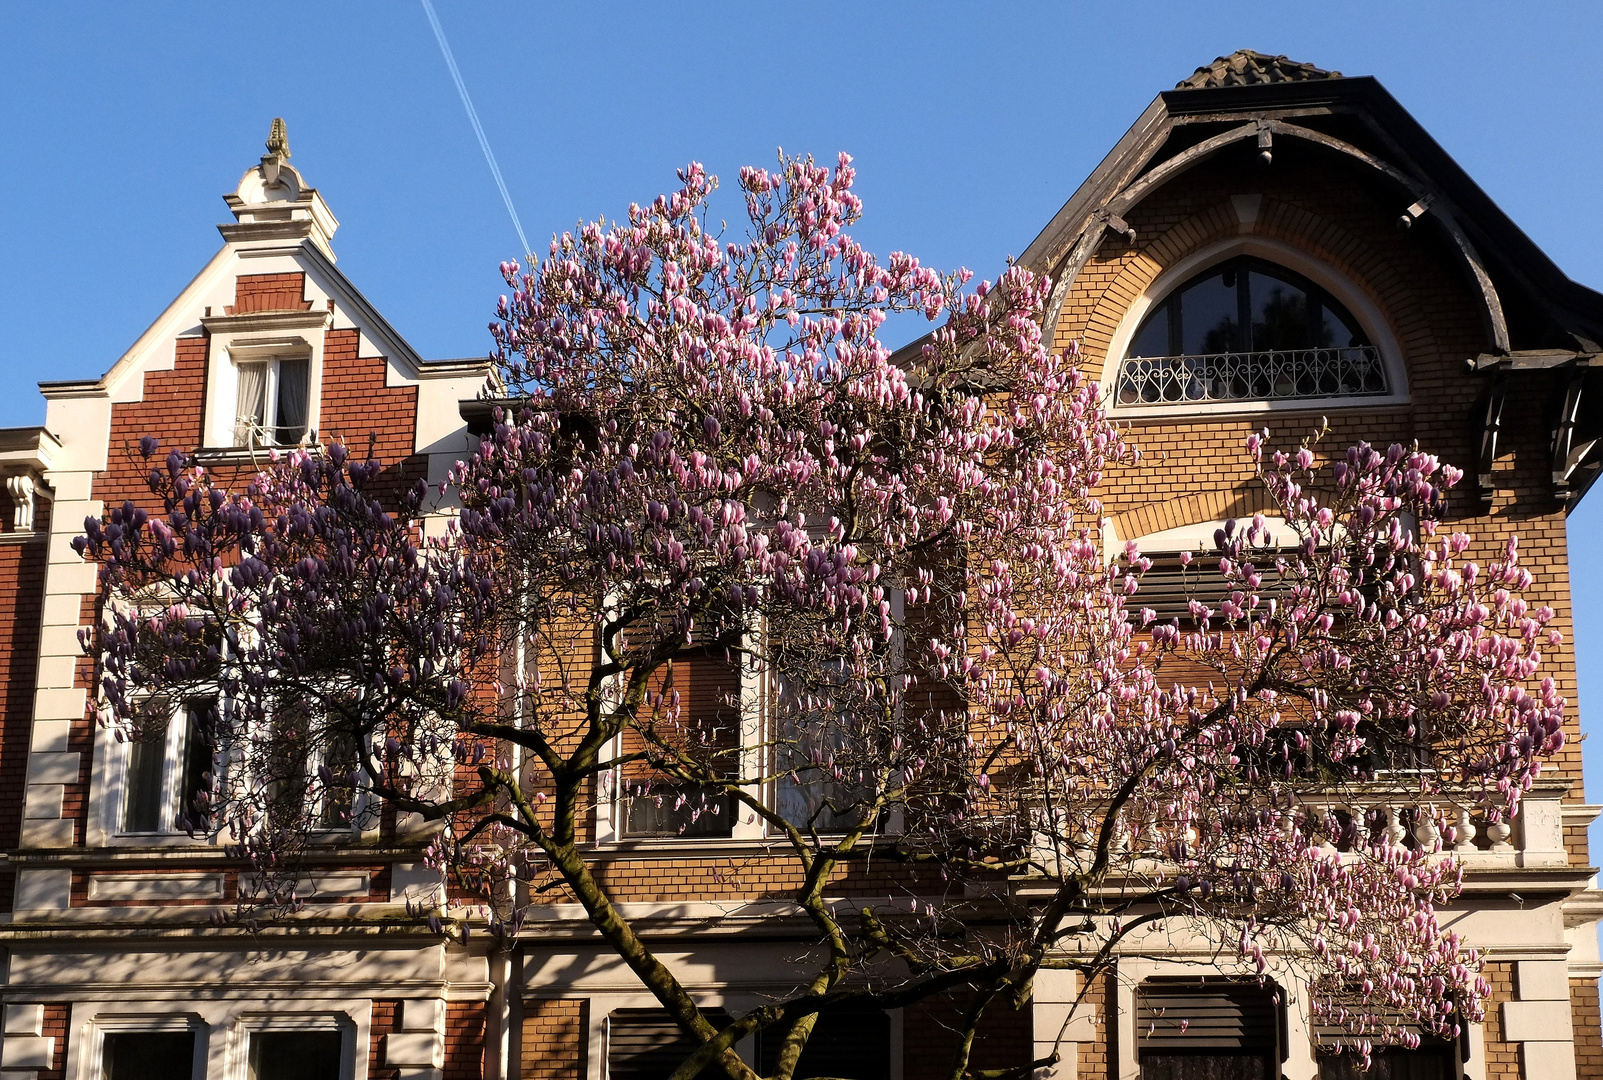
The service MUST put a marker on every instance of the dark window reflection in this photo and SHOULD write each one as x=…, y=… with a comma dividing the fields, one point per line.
x=1245, y=305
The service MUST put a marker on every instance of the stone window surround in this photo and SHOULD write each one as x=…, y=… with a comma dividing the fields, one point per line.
x=259, y=336
x=603, y=1004
x=222, y=1032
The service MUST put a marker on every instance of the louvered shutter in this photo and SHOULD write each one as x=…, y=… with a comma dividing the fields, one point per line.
x=645, y=1044
x=1168, y=587
x=1225, y=1016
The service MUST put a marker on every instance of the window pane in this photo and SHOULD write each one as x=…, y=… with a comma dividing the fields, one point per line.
x=1205, y=1067
x=196, y=779
x=286, y=767
x=644, y=1044
x=1391, y=1063
x=295, y=1055
x=292, y=396
x=1337, y=330
x=705, y=729
x=853, y=1044
x=341, y=756
x=1280, y=315
x=660, y=809
x=826, y=769
x=824, y=782
x=148, y=1055
x=1153, y=337
x=250, y=412
x=146, y=761
x=1208, y=316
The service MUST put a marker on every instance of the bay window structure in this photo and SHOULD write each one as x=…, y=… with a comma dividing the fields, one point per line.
x=1248, y=330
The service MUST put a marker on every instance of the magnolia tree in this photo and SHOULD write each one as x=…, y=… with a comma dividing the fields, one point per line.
x=704, y=460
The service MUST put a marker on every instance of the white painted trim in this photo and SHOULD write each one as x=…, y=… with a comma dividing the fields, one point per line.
x=222, y=1030
x=1293, y=258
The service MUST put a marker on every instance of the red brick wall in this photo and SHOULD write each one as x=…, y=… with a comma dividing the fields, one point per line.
x=269, y=292
x=1099, y=1002
x=371, y=419
x=1502, y=1058
x=22, y=582
x=55, y=1027
x=464, y=1040
x=555, y=1039
x=382, y=1023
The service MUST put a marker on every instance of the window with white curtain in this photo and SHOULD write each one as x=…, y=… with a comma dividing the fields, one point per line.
x=273, y=401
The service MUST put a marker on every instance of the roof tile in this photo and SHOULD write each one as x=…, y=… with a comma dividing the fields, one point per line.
x=1245, y=67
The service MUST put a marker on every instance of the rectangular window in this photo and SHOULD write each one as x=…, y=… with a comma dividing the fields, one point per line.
x=168, y=775
x=824, y=778
x=272, y=402
x=1198, y=1029
x=1428, y=1062
x=341, y=755
x=707, y=729
x=646, y=1044
x=148, y=1055
x=846, y=1043
x=295, y=1055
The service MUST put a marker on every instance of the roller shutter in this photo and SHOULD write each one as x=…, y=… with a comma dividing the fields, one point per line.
x=1191, y=1029
x=645, y=1044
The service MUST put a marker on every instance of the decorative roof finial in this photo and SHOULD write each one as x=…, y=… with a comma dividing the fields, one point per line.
x=278, y=140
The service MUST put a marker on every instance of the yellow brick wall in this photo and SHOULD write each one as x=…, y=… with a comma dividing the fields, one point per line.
x=1584, y=1021
x=555, y=1039
x=1194, y=467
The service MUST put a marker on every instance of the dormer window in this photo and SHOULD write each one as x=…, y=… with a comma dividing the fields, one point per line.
x=1248, y=330
x=272, y=401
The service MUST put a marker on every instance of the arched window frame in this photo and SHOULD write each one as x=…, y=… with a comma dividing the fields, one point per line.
x=1340, y=288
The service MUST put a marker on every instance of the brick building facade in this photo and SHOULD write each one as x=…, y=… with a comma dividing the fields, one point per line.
x=1424, y=315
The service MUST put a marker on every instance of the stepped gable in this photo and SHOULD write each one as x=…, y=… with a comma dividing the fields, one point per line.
x=1244, y=67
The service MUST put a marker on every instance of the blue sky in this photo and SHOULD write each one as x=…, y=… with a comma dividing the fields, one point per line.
x=121, y=125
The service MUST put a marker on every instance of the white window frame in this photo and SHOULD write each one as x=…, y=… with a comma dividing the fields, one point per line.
x=273, y=366
x=176, y=738
x=612, y=811
x=222, y=1028
x=250, y=1024
x=228, y=351
x=92, y=1048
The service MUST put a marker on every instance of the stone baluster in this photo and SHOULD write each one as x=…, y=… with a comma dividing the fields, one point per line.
x=1395, y=832
x=1426, y=833
x=1463, y=832
x=1498, y=834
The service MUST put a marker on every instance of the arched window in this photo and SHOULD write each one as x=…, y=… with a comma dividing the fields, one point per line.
x=1247, y=330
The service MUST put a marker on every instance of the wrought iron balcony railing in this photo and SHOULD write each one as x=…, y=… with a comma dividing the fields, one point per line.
x=1277, y=375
